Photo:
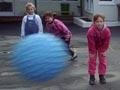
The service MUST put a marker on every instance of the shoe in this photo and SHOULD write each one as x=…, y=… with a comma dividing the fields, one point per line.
x=102, y=79
x=74, y=57
x=92, y=80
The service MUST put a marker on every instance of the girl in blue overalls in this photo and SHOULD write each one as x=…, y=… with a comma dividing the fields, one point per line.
x=31, y=22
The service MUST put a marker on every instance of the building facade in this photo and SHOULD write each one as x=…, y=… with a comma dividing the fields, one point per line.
x=76, y=8
x=17, y=7
x=109, y=8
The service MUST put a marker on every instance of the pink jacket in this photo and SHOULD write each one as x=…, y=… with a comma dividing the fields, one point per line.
x=98, y=40
x=59, y=29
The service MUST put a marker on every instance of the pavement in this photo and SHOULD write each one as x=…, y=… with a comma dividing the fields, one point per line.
x=75, y=77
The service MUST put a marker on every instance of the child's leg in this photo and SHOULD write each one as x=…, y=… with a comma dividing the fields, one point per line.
x=102, y=63
x=71, y=50
x=92, y=67
x=92, y=63
x=102, y=67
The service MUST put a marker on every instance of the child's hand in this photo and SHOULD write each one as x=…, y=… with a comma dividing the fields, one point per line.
x=22, y=37
x=66, y=39
x=103, y=53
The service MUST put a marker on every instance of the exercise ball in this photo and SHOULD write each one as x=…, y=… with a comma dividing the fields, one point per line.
x=40, y=57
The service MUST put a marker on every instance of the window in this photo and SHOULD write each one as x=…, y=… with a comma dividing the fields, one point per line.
x=106, y=2
x=6, y=6
x=89, y=5
x=71, y=0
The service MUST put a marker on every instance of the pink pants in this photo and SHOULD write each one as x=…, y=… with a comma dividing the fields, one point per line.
x=92, y=63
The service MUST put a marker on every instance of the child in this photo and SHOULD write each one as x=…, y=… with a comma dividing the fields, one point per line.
x=98, y=37
x=59, y=29
x=31, y=22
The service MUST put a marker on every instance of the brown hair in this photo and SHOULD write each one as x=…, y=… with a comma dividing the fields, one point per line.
x=97, y=16
x=49, y=13
x=30, y=5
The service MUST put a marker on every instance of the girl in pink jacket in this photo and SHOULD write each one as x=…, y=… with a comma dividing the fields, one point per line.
x=98, y=37
x=59, y=29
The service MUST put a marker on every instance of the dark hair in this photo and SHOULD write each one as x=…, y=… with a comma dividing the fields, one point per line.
x=49, y=13
x=97, y=16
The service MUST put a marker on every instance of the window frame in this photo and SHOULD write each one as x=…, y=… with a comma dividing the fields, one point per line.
x=106, y=0
x=112, y=2
x=9, y=13
x=89, y=7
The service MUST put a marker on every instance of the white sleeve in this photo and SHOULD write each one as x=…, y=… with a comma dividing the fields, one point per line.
x=23, y=26
x=40, y=25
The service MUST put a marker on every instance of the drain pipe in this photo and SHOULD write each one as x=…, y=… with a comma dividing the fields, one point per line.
x=81, y=7
x=35, y=2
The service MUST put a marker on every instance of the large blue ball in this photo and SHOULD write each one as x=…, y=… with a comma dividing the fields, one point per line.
x=40, y=57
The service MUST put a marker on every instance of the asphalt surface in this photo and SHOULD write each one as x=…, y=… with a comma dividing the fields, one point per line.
x=75, y=77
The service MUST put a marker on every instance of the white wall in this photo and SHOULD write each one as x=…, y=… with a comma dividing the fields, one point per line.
x=46, y=5
x=107, y=9
x=20, y=7
x=117, y=1
x=110, y=10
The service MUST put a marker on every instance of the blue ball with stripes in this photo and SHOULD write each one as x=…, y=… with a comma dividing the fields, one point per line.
x=40, y=57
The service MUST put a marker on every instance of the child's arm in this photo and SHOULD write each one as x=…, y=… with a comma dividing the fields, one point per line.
x=107, y=40
x=40, y=25
x=91, y=42
x=65, y=31
x=23, y=26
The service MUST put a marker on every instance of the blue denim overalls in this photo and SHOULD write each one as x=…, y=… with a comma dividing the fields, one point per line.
x=31, y=26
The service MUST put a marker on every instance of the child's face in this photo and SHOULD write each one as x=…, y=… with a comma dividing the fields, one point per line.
x=48, y=19
x=99, y=23
x=30, y=10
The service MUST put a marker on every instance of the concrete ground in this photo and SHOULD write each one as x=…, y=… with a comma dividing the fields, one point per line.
x=75, y=77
